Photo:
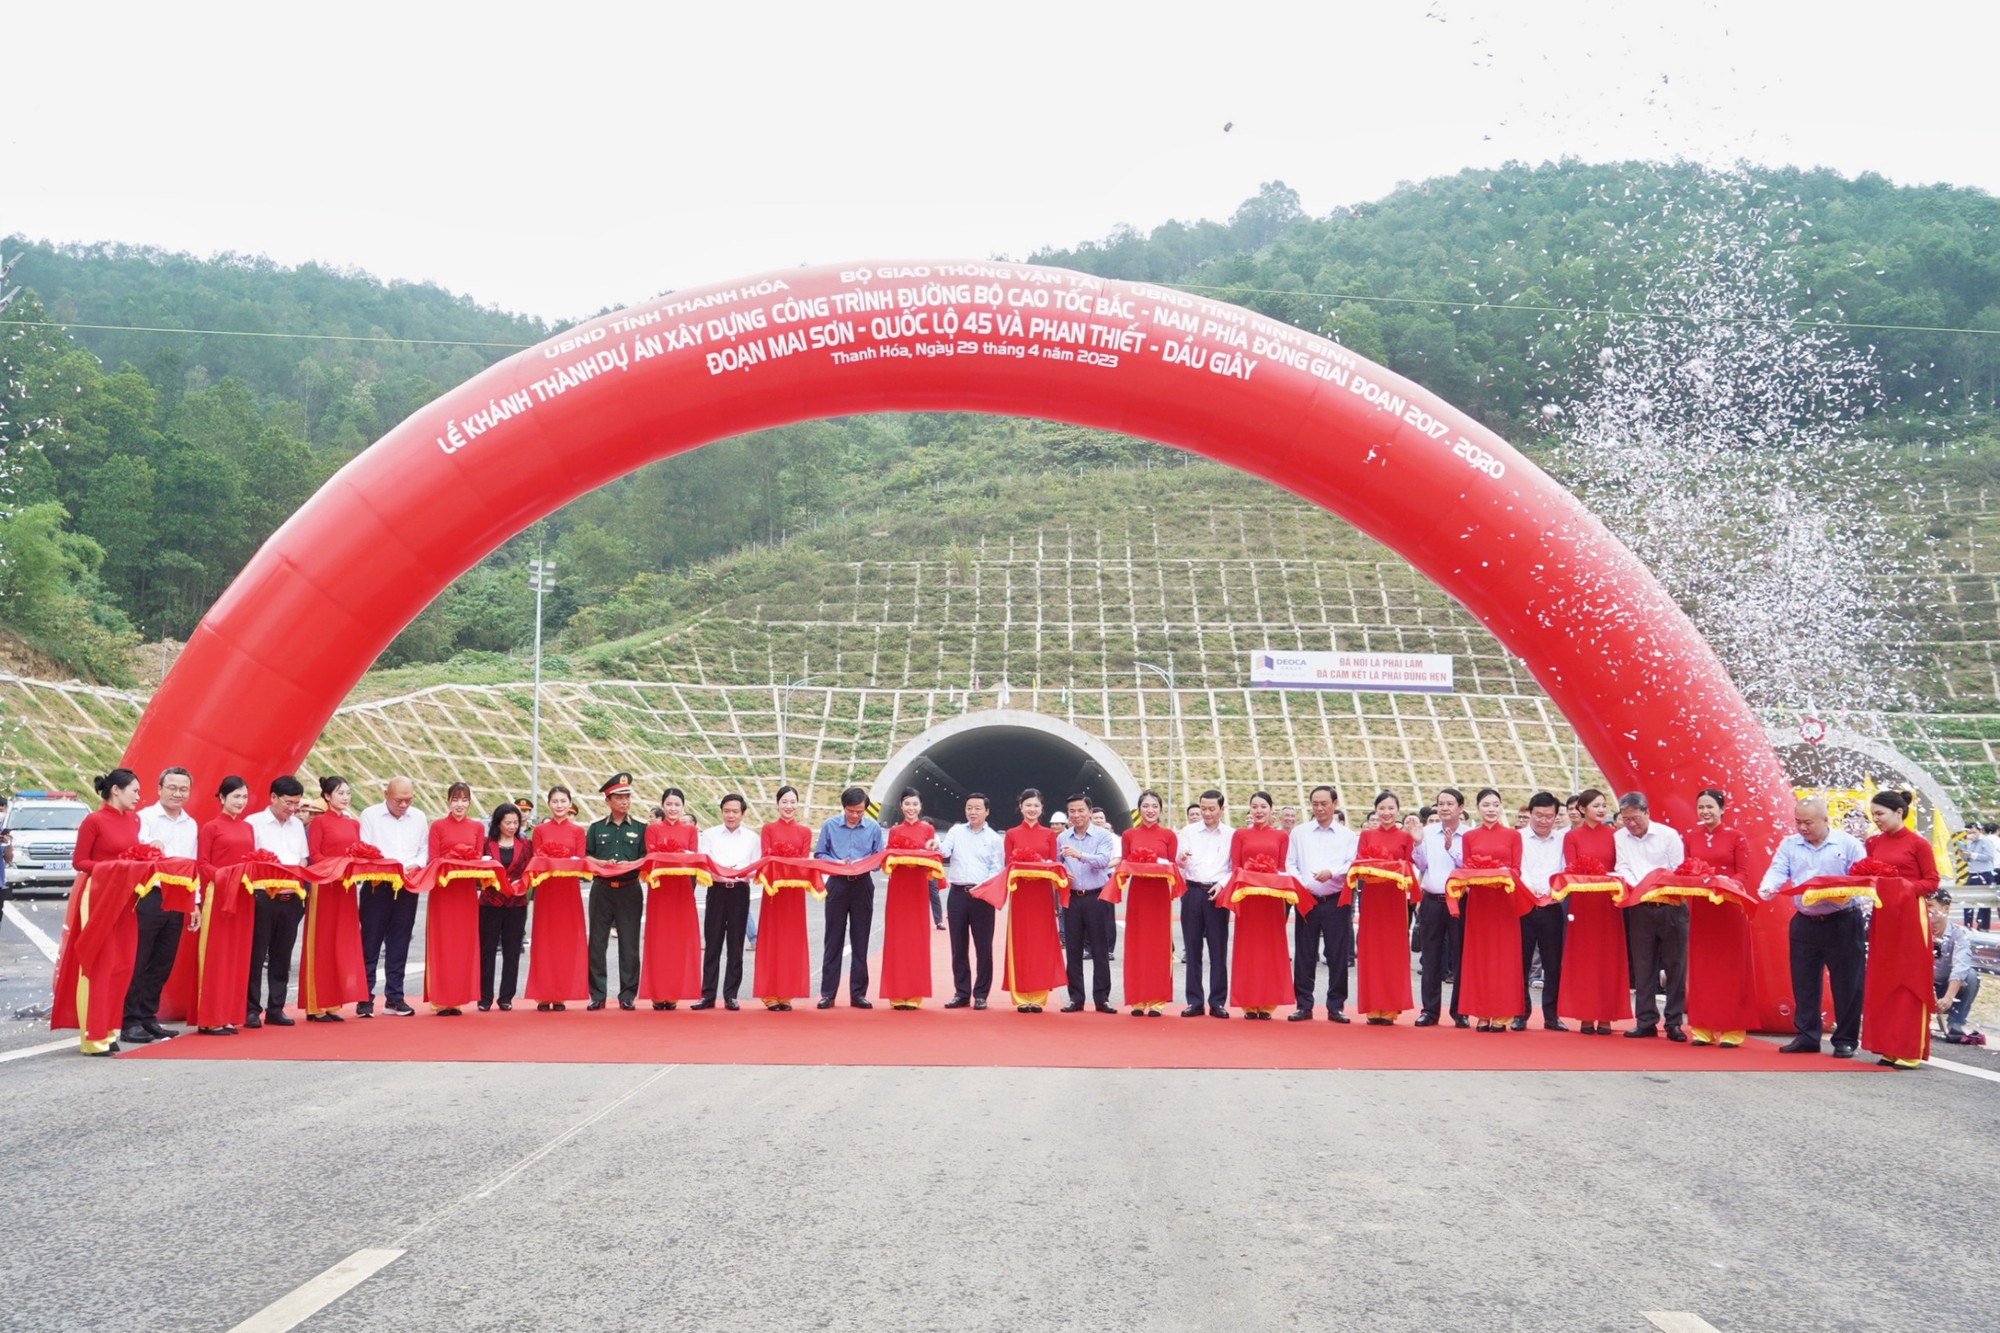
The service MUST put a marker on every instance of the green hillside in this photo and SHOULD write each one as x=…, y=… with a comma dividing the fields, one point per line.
x=165, y=458
x=815, y=659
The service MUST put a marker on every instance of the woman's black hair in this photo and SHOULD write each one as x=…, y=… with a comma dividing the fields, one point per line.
x=500, y=812
x=1897, y=802
x=788, y=787
x=1027, y=794
x=330, y=784
x=564, y=790
x=1382, y=796
x=1714, y=794
x=229, y=784
x=112, y=781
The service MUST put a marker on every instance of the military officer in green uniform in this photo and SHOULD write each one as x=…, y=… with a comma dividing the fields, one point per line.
x=616, y=902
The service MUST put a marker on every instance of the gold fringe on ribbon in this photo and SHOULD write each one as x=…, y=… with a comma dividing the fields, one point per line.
x=701, y=878
x=1846, y=894
x=1589, y=886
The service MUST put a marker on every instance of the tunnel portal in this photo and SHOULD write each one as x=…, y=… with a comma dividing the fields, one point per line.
x=999, y=752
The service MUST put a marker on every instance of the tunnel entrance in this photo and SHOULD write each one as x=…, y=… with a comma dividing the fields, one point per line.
x=999, y=752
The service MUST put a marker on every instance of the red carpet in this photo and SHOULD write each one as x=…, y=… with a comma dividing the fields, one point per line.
x=998, y=1037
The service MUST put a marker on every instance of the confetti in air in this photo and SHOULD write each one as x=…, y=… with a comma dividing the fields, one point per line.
x=1723, y=438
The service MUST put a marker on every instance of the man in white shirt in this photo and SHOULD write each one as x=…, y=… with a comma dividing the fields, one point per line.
x=973, y=852
x=732, y=847
x=168, y=826
x=1439, y=852
x=1657, y=933
x=1542, y=928
x=1317, y=855
x=396, y=828
x=279, y=831
x=1204, y=921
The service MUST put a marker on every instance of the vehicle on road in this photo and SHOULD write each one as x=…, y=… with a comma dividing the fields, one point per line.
x=42, y=826
x=1986, y=951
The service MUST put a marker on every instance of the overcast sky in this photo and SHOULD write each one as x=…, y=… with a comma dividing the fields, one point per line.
x=560, y=158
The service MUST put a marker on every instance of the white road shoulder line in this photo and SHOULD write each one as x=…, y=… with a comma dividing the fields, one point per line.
x=1669, y=1321
x=1969, y=1071
x=63, y=1044
x=309, y=1298
x=36, y=935
x=500, y=1181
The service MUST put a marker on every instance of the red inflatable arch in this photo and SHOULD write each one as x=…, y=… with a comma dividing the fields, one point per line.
x=290, y=637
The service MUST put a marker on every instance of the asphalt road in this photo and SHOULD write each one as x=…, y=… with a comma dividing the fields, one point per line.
x=190, y=1195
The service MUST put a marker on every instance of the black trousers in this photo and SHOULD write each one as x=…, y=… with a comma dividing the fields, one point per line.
x=1658, y=936
x=1091, y=926
x=850, y=917
x=1434, y=922
x=1328, y=927
x=722, y=930
x=387, y=920
x=159, y=940
x=619, y=903
x=1542, y=928
x=1205, y=928
x=501, y=930
x=1836, y=942
x=971, y=922
x=271, y=941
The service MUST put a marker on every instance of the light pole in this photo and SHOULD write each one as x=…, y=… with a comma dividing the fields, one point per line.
x=542, y=578
x=1166, y=674
x=784, y=699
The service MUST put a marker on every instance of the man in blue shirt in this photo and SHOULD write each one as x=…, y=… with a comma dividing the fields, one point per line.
x=1088, y=853
x=850, y=899
x=973, y=852
x=1832, y=935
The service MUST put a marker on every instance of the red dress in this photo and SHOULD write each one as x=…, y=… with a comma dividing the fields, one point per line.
x=219, y=963
x=331, y=973
x=451, y=919
x=1149, y=918
x=1897, y=995
x=1382, y=944
x=1597, y=967
x=1260, y=957
x=558, y=957
x=1489, y=959
x=1035, y=963
x=670, y=958
x=906, y=919
x=93, y=999
x=1721, y=973
x=783, y=969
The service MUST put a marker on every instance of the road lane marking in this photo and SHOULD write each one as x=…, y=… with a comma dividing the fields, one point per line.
x=1971, y=1071
x=500, y=1181
x=309, y=1298
x=36, y=935
x=1669, y=1321
x=65, y=1044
